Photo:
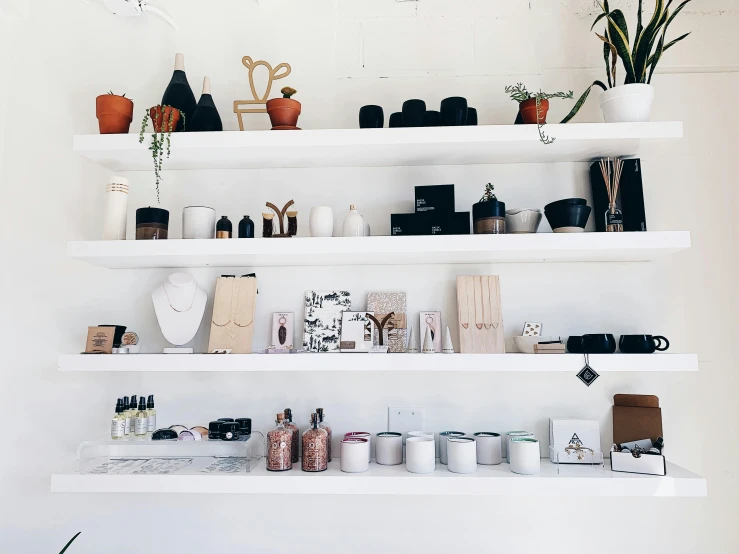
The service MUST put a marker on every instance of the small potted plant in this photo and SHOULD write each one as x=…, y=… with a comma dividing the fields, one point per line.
x=533, y=108
x=164, y=119
x=114, y=113
x=488, y=215
x=284, y=112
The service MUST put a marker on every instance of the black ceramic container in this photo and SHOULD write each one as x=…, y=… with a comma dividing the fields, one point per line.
x=471, y=116
x=599, y=344
x=224, y=228
x=642, y=344
x=433, y=119
x=246, y=228
x=152, y=224
x=574, y=344
x=414, y=113
x=164, y=435
x=244, y=425
x=454, y=111
x=396, y=120
x=179, y=95
x=566, y=202
x=371, y=117
x=568, y=216
x=229, y=431
x=206, y=117
x=488, y=218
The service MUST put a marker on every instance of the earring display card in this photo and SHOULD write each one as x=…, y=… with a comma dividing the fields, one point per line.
x=232, y=326
x=395, y=331
x=432, y=320
x=480, y=315
x=357, y=331
x=583, y=433
x=322, y=323
x=283, y=330
x=531, y=329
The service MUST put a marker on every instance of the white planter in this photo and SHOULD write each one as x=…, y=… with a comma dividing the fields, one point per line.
x=627, y=103
x=443, y=443
x=353, y=223
x=362, y=435
x=354, y=457
x=462, y=453
x=489, y=448
x=198, y=222
x=420, y=455
x=525, y=456
x=321, y=222
x=116, y=209
x=511, y=435
x=389, y=449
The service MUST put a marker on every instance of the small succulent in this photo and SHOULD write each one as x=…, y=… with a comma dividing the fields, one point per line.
x=489, y=193
x=288, y=92
x=114, y=94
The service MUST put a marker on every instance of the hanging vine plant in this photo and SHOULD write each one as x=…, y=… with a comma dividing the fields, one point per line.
x=164, y=119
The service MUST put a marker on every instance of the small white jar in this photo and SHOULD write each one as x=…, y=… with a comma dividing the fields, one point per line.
x=443, y=443
x=354, y=455
x=488, y=448
x=353, y=223
x=420, y=455
x=321, y=222
x=389, y=448
x=508, y=437
x=462, y=453
x=362, y=435
x=525, y=456
x=198, y=222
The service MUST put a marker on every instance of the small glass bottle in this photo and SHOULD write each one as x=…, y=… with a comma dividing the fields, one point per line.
x=614, y=219
x=323, y=424
x=246, y=228
x=279, y=447
x=151, y=415
x=140, y=422
x=131, y=413
x=224, y=229
x=315, y=447
x=294, y=445
x=126, y=411
x=118, y=423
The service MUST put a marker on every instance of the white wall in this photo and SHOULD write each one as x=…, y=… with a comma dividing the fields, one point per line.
x=346, y=53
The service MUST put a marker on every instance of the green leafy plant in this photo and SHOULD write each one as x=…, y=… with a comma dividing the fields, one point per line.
x=519, y=93
x=110, y=92
x=489, y=193
x=639, y=59
x=288, y=92
x=159, y=141
x=70, y=542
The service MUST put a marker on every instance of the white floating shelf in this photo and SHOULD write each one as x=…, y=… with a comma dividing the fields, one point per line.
x=395, y=480
x=304, y=251
x=571, y=363
x=493, y=144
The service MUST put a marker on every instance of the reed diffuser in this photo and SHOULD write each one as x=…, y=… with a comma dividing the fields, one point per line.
x=611, y=168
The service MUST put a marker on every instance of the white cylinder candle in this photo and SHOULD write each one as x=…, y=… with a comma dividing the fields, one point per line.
x=389, y=448
x=488, y=448
x=198, y=222
x=420, y=455
x=116, y=209
x=354, y=455
x=362, y=435
x=524, y=456
x=462, y=454
x=443, y=443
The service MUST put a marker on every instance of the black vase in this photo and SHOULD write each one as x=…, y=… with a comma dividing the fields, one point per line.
x=179, y=94
x=224, y=229
x=246, y=228
x=371, y=117
x=396, y=120
x=454, y=111
x=433, y=119
x=206, y=117
x=414, y=113
x=471, y=116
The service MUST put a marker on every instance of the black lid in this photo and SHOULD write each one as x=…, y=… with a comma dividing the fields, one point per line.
x=142, y=403
x=224, y=217
x=152, y=215
x=244, y=425
x=126, y=403
x=225, y=419
x=247, y=217
x=288, y=414
x=319, y=412
x=491, y=208
x=119, y=406
x=150, y=402
x=314, y=420
x=133, y=401
x=164, y=435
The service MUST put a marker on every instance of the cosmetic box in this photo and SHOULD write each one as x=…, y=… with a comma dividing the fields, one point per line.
x=435, y=198
x=431, y=223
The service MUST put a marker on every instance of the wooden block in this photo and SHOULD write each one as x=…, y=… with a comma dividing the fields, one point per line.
x=480, y=315
x=549, y=349
x=232, y=327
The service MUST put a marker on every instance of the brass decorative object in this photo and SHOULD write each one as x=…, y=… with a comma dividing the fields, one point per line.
x=292, y=218
x=259, y=102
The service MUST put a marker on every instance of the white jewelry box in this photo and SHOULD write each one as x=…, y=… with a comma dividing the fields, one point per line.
x=584, y=433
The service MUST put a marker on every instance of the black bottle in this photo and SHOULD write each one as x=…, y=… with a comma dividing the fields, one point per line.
x=224, y=229
x=246, y=228
x=179, y=94
x=206, y=116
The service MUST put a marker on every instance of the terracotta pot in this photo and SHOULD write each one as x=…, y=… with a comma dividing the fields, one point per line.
x=527, y=110
x=114, y=114
x=160, y=118
x=283, y=112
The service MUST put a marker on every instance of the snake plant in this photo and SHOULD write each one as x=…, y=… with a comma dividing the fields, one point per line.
x=70, y=542
x=640, y=58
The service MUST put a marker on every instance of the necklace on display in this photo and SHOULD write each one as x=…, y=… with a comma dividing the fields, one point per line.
x=164, y=286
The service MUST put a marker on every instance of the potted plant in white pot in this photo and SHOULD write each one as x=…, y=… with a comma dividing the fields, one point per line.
x=632, y=101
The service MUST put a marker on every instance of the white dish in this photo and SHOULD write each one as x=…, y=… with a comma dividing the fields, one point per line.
x=525, y=345
x=522, y=220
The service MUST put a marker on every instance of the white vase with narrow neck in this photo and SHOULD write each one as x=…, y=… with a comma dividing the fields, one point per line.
x=353, y=223
x=179, y=305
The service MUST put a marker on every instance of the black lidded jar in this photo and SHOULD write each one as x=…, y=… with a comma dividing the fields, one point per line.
x=152, y=224
x=224, y=229
x=214, y=430
x=229, y=431
x=488, y=215
x=244, y=425
x=246, y=228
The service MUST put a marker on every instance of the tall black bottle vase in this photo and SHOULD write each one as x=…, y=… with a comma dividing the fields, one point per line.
x=206, y=117
x=179, y=94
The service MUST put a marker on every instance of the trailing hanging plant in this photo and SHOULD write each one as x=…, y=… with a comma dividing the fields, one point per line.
x=519, y=93
x=640, y=59
x=159, y=139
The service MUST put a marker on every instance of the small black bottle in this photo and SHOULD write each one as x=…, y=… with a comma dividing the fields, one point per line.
x=179, y=94
x=224, y=229
x=246, y=228
x=206, y=117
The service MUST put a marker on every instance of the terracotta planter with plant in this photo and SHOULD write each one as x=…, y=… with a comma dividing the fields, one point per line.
x=284, y=112
x=530, y=114
x=164, y=119
x=114, y=113
x=533, y=108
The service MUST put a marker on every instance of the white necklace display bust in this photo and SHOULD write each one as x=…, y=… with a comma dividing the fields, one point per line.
x=179, y=305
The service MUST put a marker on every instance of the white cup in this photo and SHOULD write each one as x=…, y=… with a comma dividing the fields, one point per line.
x=488, y=448
x=354, y=455
x=321, y=221
x=362, y=435
x=389, y=448
x=420, y=455
x=198, y=222
x=511, y=435
x=462, y=453
x=525, y=456
x=443, y=443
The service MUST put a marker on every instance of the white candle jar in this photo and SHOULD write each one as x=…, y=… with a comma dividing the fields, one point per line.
x=354, y=455
x=462, y=454
x=443, y=443
x=420, y=455
x=389, y=448
x=525, y=456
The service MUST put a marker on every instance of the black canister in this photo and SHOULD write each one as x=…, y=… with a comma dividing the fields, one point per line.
x=224, y=229
x=229, y=431
x=152, y=224
x=214, y=430
x=244, y=425
x=488, y=215
x=246, y=228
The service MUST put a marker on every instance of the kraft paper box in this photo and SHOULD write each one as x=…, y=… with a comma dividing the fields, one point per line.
x=100, y=340
x=636, y=417
x=575, y=432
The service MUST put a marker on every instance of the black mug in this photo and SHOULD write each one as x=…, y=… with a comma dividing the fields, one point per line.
x=433, y=119
x=574, y=345
x=454, y=111
x=396, y=120
x=642, y=344
x=371, y=117
x=471, y=116
x=599, y=344
x=414, y=113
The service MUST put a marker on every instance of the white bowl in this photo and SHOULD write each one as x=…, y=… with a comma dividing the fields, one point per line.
x=522, y=221
x=525, y=345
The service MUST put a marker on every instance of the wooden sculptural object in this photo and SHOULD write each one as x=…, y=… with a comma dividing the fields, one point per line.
x=257, y=100
x=292, y=217
x=480, y=315
x=381, y=326
x=232, y=325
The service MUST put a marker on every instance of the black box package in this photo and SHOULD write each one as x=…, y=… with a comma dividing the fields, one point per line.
x=435, y=198
x=432, y=223
x=630, y=198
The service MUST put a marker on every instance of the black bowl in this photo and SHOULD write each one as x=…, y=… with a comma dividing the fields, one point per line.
x=599, y=344
x=566, y=202
x=568, y=216
x=574, y=344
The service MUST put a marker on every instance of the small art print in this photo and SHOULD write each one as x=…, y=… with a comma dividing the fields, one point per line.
x=356, y=332
x=322, y=323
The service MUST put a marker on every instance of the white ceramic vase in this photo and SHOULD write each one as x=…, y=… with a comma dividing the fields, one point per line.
x=508, y=437
x=321, y=221
x=525, y=456
x=389, y=448
x=488, y=448
x=420, y=455
x=198, y=222
x=354, y=455
x=627, y=103
x=353, y=223
x=462, y=454
x=116, y=209
x=443, y=443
